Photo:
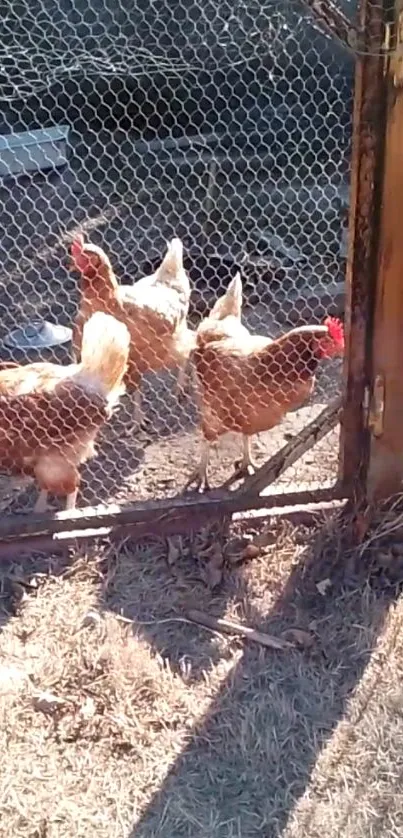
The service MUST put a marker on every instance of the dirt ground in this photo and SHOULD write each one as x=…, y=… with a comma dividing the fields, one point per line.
x=120, y=718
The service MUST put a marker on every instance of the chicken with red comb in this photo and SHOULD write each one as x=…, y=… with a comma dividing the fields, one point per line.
x=248, y=386
x=336, y=331
x=154, y=309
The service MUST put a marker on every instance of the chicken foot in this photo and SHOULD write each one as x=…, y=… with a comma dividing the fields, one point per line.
x=243, y=467
x=198, y=477
x=41, y=504
x=246, y=465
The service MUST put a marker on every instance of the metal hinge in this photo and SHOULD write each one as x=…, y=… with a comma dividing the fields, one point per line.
x=374, y=406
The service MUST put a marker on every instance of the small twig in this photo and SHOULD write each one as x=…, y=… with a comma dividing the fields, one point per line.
x=135, y=623
x=228, y=627
x=217, y=625
x=142, y=623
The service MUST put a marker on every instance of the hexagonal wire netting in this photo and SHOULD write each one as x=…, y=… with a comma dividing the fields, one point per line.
x=225, y=124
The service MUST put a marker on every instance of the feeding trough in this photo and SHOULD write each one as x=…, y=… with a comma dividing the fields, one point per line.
x=37, y=339
x=38, y=334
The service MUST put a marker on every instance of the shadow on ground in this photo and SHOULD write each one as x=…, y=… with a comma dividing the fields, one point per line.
x=250, y=759
x=177, y=732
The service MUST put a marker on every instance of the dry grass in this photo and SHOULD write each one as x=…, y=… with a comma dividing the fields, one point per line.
x=117, y=718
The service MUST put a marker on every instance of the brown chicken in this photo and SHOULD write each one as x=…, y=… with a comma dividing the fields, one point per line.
x=154, y=309
x=247, y=383
x=224, y=320
x=50, y=415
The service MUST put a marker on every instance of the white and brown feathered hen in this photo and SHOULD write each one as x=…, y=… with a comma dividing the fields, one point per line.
x=154, y=309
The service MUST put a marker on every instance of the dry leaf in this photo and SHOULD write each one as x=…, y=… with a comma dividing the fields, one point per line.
x=174, y=550
x=361, y=525
x=19, y=592
x=92, y=618
x=213, y=570
x=48, y=702
x=266, y=538
x=300, y=637
x=323, y=586
x=384, y=558
x=31, y=583
x=88, y=709
x=234, y=549
x=252, y=551
x=41, y=831
x=12, y=679
x=235, y=558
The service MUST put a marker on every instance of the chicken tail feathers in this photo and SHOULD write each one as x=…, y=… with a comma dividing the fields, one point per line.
x=172, y=262
x=105, y=351
x=230, y=304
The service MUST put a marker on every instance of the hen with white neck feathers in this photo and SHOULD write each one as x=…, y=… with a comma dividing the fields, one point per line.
x=154, y=309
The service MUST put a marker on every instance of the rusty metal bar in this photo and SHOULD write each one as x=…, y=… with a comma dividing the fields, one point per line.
x=159, y=517
x=385, y=474
x=330, y=17
x=299, y=507
x=367, y=163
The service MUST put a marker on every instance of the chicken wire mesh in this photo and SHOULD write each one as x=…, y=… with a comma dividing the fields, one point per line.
x=125, y=126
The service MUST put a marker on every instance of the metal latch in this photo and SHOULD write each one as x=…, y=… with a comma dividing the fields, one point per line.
x=376, y=406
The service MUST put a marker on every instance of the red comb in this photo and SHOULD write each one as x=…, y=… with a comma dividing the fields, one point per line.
x=77, y=245
x=336, y=330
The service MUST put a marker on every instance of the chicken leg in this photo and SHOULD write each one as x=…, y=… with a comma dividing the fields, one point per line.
x=246, y=465
x=182, y=381
x=199, y=477
x=71, y=500
x=186, y=380
x=42, y=501
x=41, y=504
x=141, y=421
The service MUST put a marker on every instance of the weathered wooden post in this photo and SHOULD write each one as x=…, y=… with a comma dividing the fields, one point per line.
x=385, y=406
x=362, y=270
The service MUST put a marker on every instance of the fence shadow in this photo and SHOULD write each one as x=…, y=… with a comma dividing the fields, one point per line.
x=251, y=757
